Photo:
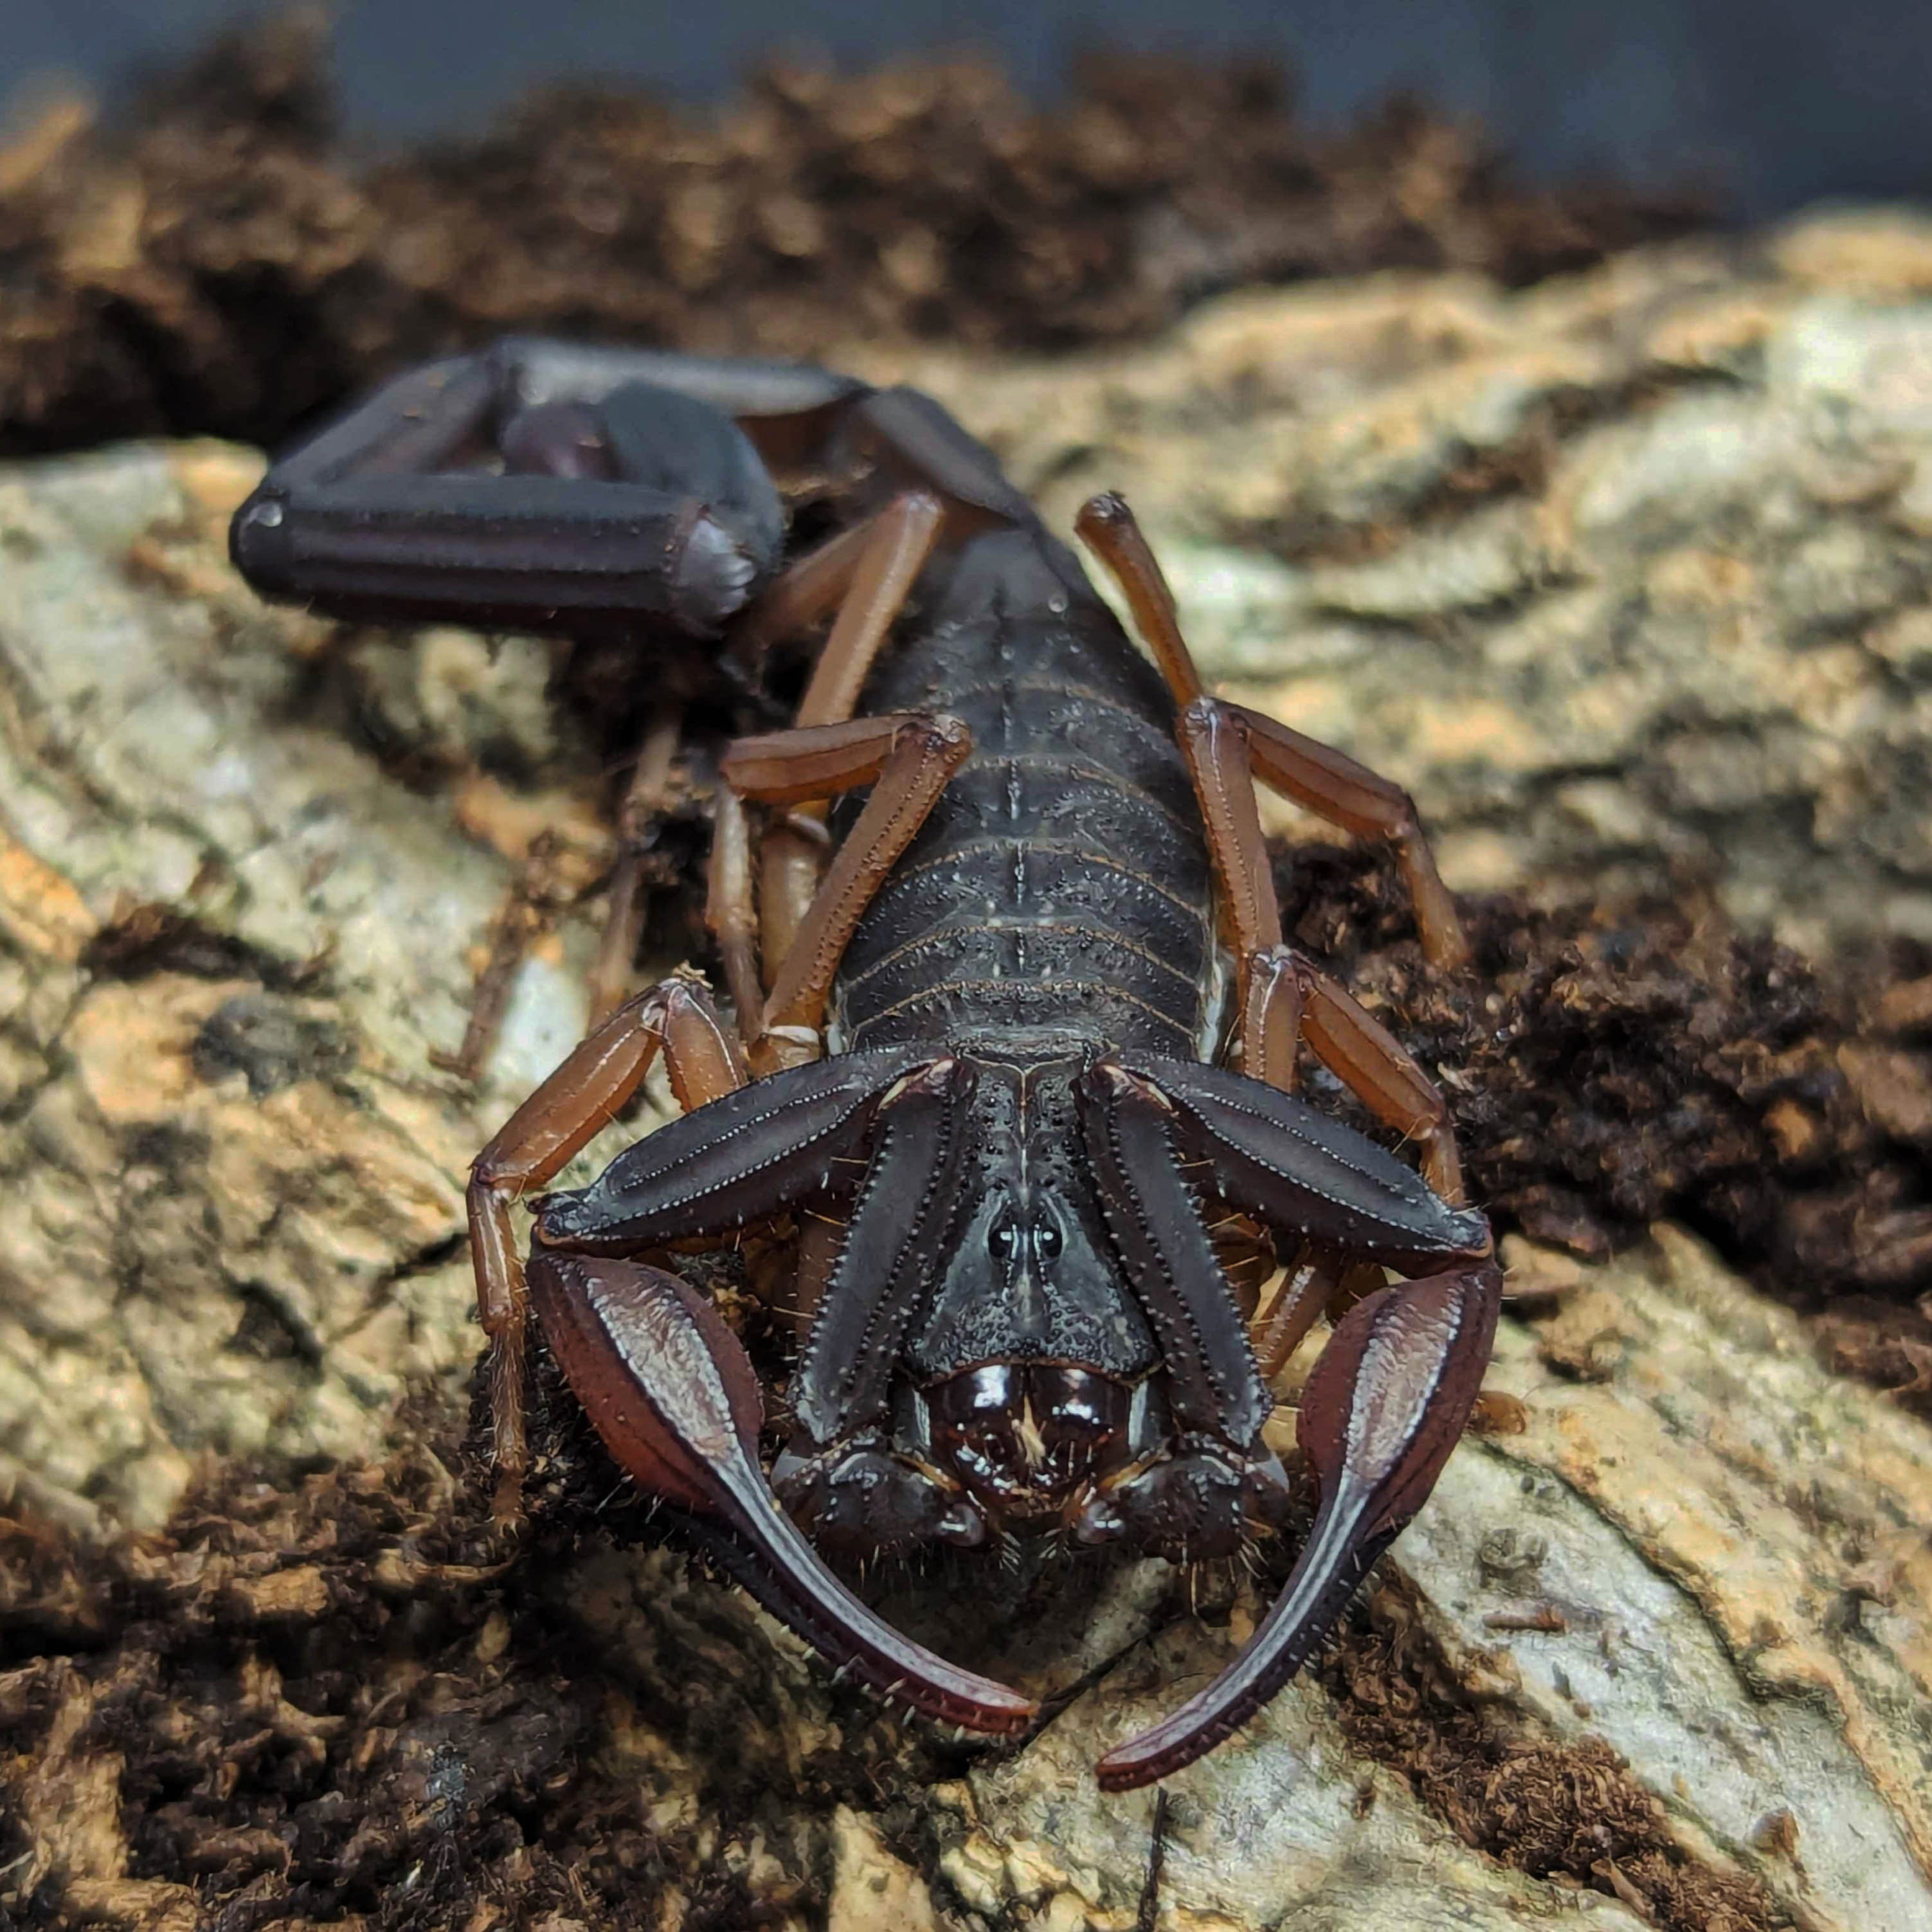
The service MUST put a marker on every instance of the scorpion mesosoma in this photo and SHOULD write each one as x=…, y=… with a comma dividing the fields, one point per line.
x=1024, y=1041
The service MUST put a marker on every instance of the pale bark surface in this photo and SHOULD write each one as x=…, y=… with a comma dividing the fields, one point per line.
x=1622, y=576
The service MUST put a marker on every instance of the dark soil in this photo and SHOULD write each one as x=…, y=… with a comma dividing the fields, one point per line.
x=1608, y=1067
x=224, y=265
x=341, y=1699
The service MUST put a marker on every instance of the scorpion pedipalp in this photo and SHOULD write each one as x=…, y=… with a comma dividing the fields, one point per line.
x=1388, y=1399
x=1275, y=1156
x=1385, y=1406
x=902, y=1216
x=1127, y=1124
x=670, y=1391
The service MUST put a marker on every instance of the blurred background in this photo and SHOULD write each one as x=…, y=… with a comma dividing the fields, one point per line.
x=222, y=216
x=1769, y=102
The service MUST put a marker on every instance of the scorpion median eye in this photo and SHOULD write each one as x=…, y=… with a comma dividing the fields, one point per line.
x=1047, y=1241
x=1002, y=1237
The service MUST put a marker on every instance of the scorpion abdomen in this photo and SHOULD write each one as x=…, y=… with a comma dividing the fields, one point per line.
x=1062, y=883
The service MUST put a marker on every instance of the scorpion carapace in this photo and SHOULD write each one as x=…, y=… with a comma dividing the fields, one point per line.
x=1014, y=1035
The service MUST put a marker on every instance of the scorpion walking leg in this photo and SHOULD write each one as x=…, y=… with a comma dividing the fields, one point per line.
x=548, y=1132
x=805, y=592
x=1318, y=1277
x=1283, y=996
x=647, y=798
x=865, y=573
x=1332, y=785
x=1289, y=998
x=529, y=910
x=1312, y=1278
x=855, y=567
x=730, y=911
x=1327, y=782
x=1371, y=1062
x=1285, y=999
x=1109, y=529
x=907, y=759
x=1309, y=1284
x=898, y=543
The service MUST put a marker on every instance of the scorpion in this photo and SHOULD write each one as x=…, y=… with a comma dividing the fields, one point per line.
x=1013, y=1034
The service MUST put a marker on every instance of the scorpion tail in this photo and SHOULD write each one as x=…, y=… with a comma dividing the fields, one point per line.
x=1385, y=1405
x=670, y=1390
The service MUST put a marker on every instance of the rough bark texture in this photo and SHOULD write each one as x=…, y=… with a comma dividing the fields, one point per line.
x=1626, y=578
x=1625, y=575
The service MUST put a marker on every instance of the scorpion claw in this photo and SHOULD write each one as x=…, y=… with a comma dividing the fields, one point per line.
x=672, y=1393
x=1385, y=1405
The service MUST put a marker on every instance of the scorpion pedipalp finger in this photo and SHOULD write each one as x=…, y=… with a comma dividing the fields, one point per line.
x=669, y=1389
x=1386, y=1404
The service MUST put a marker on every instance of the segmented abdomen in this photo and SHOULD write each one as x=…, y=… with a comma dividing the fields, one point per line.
x=1061, y=882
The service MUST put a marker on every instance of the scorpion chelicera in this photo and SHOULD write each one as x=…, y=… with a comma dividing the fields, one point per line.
x=1021, y=1056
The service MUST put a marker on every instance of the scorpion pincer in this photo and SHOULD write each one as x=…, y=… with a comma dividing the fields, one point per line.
x=1013, y=1029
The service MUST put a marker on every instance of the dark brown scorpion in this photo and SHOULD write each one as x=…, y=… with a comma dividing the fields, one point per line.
x=1024, y=1042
